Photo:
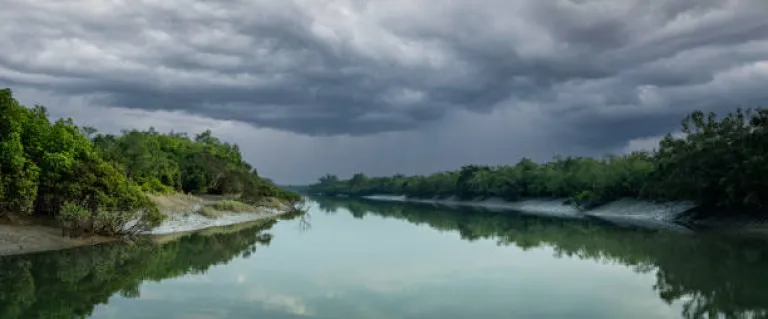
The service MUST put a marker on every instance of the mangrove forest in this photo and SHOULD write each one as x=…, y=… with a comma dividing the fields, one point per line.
x=716, y=163
x=76, y=176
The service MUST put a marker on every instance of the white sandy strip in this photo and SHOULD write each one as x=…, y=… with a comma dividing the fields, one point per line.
x=188, y=222
x=626, y=209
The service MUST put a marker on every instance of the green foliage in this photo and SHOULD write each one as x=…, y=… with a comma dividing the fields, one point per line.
x=264, y=189
x=173, y=162
x=61, y=171
x=73, y=217
x=155, y=186
x=19, y=174
x=717, y=163
x=231, y=206
x=53, y=170
x=209, y=212
x=215, y=209
x=585, y=181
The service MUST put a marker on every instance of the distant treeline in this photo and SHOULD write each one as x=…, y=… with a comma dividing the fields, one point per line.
x=99, y=182
x=718, y=162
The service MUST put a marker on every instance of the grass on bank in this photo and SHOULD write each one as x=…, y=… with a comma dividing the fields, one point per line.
x=232, y=206
x=214, y=210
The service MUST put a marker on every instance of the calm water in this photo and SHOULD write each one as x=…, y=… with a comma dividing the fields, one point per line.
x=362, y=259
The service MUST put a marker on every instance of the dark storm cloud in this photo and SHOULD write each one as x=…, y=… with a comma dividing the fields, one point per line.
x=607, y=71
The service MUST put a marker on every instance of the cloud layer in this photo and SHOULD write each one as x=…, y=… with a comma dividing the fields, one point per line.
x=591, y=75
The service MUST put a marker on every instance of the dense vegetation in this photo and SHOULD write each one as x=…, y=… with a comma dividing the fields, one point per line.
x=99, y=183
x=70, y=283
x=715, y=163
x=683, y=264
x=174, y=162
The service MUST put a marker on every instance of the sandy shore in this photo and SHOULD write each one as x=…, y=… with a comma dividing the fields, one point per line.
x=28, y=239
x=182, y=218
x=177, y=223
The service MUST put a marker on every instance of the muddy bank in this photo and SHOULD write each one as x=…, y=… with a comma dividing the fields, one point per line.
x=184, y=213
x=682, y=217
x=16, y=239
x=545, y=207
x=192, y=221
x=183, y=216
x=625, y=212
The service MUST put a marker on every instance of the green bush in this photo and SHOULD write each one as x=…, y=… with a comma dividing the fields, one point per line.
x=155, y=186
x=231, y=206
x=74, y=218
x=203, y=164
x=209, y=211
x=53, y=170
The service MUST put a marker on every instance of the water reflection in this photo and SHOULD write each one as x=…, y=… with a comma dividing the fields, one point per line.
x=68, y=284
x=366, y=259
x=711, y=275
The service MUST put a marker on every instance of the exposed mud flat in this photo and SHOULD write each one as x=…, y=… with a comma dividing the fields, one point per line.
x=193, y=221
x=647, y=223
x=644, y=214
x=625, y=212
x=15, y=239
x=182, y=211
x=638, y=209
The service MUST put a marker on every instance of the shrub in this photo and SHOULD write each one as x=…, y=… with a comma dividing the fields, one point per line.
x=210, y=212
x=155, y=186
x=231, y=206
x=73, y=218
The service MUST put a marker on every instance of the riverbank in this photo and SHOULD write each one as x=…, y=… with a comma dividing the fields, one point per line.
x=628, y=208
x=22, y=239
x=681, y=217
x=183, y=216
x=670, y=216
x=184, y=213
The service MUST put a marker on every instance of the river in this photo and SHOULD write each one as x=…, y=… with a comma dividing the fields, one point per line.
x=364, y=259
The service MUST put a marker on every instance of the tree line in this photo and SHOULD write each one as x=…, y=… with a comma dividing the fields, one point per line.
x=99, y=182
x=716, y=163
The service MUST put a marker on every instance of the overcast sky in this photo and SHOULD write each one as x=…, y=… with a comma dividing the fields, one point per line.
x=307, y=87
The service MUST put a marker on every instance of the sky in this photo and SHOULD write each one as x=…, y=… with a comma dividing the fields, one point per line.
x=308, y=87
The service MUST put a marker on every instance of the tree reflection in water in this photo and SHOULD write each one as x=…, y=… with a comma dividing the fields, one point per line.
x=71, y=283
x=712, y=275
